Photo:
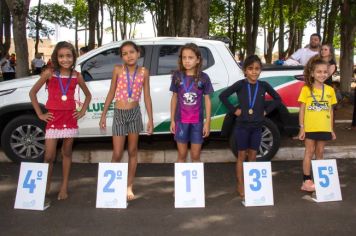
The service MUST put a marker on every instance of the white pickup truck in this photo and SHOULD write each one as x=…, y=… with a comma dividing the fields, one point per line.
x=22, y=133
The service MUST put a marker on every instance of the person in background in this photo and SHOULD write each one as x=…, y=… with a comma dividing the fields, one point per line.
x=327, y=54
x=37, y=64
x=13, y=62
x=49, y=63
x=83, y=50
x=302, y=55
x=8, y=72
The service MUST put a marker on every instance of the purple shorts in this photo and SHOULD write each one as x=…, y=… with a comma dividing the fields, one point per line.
x=248, y=138
x=187, y=132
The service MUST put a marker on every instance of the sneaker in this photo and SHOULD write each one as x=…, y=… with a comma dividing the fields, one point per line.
x=308, y=186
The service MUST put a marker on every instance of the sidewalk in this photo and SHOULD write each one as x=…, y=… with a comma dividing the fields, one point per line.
x=217, y=150
x=153, y=212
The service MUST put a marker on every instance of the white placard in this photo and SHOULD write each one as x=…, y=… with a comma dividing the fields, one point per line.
x=326, y=180
x=31, y=188
x=258, y=184
x=189, y=185
x=112, y=185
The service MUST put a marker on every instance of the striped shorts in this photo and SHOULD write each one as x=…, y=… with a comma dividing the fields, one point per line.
x=127, y=121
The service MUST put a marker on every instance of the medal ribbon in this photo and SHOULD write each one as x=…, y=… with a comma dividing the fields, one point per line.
x=130, y=85
x=251, y=104
x=185, y=82
x=322, y=97
x=63, y=90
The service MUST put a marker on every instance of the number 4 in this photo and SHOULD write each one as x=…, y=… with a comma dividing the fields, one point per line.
x=30, y=184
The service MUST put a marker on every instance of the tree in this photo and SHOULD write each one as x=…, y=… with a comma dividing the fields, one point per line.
x=52, y=13
x=334, y=10
x=269, y=21
x=252, y=16
x=19, y=10
x=348, y=30
x=80, y=13
x=176, y=18
x=299, y=12
x=93, y=9
x=5, y=29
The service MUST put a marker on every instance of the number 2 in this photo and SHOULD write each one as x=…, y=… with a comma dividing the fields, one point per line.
x=107, y=188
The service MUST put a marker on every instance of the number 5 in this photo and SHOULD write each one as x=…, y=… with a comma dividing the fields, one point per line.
x=323, y=176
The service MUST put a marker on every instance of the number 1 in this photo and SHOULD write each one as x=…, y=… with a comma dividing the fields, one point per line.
x=186, y=173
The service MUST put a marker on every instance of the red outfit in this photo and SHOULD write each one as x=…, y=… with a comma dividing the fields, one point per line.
x=63, y=125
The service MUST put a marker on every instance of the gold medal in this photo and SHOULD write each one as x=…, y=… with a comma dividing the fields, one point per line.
x=64, y=98
x=250, y=111
x=129, y=99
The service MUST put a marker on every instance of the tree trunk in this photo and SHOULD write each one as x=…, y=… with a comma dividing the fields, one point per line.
x=237, y=10
x=292, y=29
x=229, y=19
x=348, y=29
x=281, y=53
x=318, y=18
x=19, y=10
x=354, y=112
x=172, y=8
x=200, y=19
x=335, y=7
x=116, y=20
x=186, y=18
x=76, y=34
x=252, y=14
x=100, y=24
x=112, y=24
x=93, y=8
x=326, y=19
x=5, y=29
x=37, y=26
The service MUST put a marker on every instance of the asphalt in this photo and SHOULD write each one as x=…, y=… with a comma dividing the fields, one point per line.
x=153, y=212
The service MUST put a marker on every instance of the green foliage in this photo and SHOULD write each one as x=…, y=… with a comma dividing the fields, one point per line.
x=134, y=11
x=218, y=18
x=49, y=13
x=79, y=10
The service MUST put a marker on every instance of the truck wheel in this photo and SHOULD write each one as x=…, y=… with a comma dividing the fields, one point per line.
x=23, y=139
x=270, y=142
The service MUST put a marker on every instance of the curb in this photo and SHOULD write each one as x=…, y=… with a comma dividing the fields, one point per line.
x=207, y=155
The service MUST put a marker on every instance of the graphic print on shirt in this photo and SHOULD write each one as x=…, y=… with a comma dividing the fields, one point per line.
x=319, y=106
x=190, y=98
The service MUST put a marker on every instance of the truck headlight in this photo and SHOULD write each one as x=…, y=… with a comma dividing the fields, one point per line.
x=7, y=91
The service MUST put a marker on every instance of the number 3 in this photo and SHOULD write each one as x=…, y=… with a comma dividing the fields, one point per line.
x=258, y=185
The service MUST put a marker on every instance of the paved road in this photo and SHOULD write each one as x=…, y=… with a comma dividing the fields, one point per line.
x=153, y=212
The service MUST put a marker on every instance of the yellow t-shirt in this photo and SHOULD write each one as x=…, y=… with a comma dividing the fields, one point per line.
x=317, y=117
